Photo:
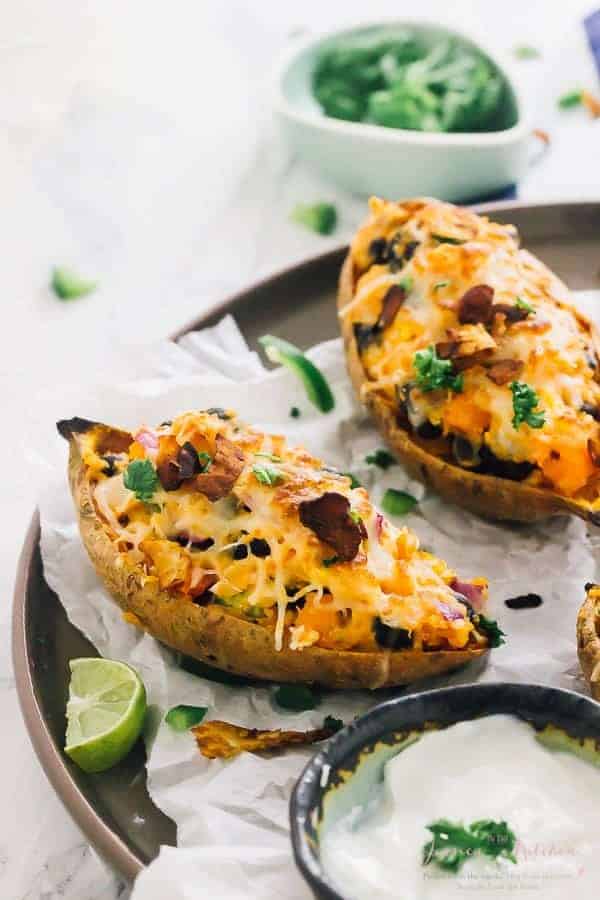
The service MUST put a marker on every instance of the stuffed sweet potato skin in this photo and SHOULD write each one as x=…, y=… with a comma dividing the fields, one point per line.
x=212, y=635
x=486, y=495
x=588, y=638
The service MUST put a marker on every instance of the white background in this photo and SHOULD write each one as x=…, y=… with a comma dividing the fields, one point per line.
x=136, y=145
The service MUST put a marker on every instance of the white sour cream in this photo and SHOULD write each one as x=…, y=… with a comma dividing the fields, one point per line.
x=492, y=768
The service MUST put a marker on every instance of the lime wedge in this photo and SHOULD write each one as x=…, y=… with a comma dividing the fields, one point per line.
x=105, y=712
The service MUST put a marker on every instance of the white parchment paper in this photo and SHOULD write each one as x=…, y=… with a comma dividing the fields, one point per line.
x=232, y=817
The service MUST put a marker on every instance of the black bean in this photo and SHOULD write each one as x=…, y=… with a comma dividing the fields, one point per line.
x=524, y=601
x=260, y=547
x=365, y=335
x=219, y=412
x=591, y=410
x=465, y=454
x=109, y=467
x=409, y=249
x=503, y=468
x=428, y=430
x=240, y=551
x=378, y=250
x=391, y=638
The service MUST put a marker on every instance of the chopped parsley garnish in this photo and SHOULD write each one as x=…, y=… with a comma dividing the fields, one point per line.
x=523, y=304
x=406, y=284
x=397, y=503
x=354, y=482
x=434, y=373
x=183, y=717
x=525, y=400
x=356, y=517
x=448, y=239
x=67, y=285
x=381, y=458
x=267, y=475
x=332, y=723
x=330, y=561
x=297, y=697
x=491, y=629
x=271, y=456
x=453, y=844
x=571, y=99
x=141, y=478
x=319, y=217
x=204, y=459
x=286, y=354
x=295, y=412
x=441, y=284
x=526, y=51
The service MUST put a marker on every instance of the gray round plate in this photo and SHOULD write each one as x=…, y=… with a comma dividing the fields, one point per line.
x=114, y=809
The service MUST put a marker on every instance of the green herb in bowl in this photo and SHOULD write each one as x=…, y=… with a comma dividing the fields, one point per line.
x=396, y=79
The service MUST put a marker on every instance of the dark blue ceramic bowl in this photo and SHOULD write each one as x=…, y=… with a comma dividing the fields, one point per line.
x=344, y=774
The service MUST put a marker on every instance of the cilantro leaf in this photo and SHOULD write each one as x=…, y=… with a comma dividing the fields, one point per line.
x=491, y=629
x=205, y=459
x=141, y=478
x=332, y=723
x=267, y=475
x=320, y=217
x=434, y=373
x=441, y=284
x=67, y=285
x=381, y=458
x=570, y=99
x=397, y=503
x=297, y=697
x=524, y=304
x=453, y=843
x=354, y=482
x=525, y=400
x=184, y=717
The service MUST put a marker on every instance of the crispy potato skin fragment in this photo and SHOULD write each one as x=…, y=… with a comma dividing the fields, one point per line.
x=222, y=740
x=211, y=634
x=486, y=495
x=588, y=638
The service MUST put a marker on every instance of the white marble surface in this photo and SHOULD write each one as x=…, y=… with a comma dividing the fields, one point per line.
x=122, y=157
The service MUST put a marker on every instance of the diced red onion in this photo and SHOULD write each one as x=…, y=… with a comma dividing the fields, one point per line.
x=448, y=612
x=379, y=520
x=471, y=592
x=147, y=438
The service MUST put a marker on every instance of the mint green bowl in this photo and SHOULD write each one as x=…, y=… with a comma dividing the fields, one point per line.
x=391, y=162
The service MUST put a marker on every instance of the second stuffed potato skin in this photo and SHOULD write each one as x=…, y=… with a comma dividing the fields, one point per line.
x=491, y=336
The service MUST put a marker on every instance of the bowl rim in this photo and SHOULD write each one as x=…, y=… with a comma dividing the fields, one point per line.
x=393, y=136
x=309, y=785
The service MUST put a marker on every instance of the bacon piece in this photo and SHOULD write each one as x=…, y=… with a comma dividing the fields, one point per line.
x=329, y=517
x=167, y=466
x=201, y=581
x=476, y=305
x=505, y=370
x=222, y=740
x=223, y=472
x=393, y=300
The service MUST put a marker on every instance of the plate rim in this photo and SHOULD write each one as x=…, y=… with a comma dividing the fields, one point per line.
x=107, y=842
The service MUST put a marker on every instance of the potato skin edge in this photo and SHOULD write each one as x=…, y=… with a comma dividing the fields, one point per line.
x=588, y=641
x=486, y=495
x=210, y=634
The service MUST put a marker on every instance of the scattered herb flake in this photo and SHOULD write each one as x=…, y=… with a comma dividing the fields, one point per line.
x=453, y=844
x=295, y=412
x=141, y=478
x=524, y=601
x=205, y=460
x=524, y=304
x=297, y=697
x=267, y=475
x=354, y=482
x=491, y=629
x=526, y=51
x=571, y=99
x=525, y=401
x=67, y=285
x=318, y=217
x=381, y=458
x=355, y=516
x=441, y=284
x=397, y=503
x=331, y=561
x=183, y=717
x=434, y=373
x=286, y=354
x=448, y=239
x=271, y=456
x=332, y=723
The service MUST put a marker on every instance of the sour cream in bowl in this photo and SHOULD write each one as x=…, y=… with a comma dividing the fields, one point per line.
x=480, y=790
